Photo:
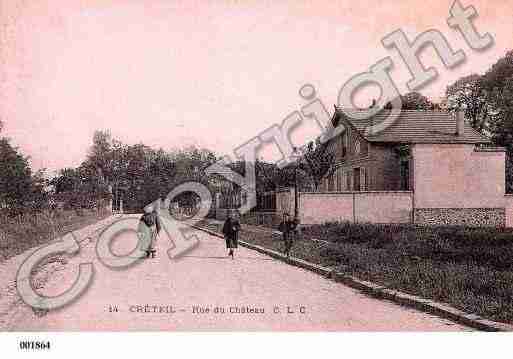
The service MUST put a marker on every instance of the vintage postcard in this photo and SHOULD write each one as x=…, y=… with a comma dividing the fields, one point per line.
x=255, y=166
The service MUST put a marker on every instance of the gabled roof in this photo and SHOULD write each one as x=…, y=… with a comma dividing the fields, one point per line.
x=414, y=127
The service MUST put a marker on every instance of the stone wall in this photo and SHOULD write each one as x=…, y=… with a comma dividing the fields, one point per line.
x=383, y=207
x=321, y=207
x=368, y=207
x=439, y=206
x=476, y=217
x=509, y=210
x=458, y=176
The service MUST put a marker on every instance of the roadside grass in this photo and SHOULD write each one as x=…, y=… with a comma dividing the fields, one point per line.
x=469, y=268
x=30, y=230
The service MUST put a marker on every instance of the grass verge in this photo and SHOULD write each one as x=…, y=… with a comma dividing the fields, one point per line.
x=27, y=231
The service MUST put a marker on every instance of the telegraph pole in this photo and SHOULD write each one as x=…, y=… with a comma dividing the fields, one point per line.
x=296, y=194
x=297, y=154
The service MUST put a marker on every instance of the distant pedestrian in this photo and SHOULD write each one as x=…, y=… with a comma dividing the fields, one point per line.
x=149, y=229
x=231, y=230
x=288, y=228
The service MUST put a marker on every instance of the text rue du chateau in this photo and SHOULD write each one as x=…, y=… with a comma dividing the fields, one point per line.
x=211, y=309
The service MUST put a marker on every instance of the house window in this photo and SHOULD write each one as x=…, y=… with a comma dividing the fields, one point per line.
x=363, y=179
x=339, y=180
x=342, y=180
x=348, y=180
x=364, y=147
x=405, y=175
x=331, y=183
x=356, y=179
x=344, y=144
x=357, y=147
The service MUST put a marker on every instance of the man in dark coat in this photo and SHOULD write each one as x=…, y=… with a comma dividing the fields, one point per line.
x=231, y=230
x=149, y=229
x=287, y=228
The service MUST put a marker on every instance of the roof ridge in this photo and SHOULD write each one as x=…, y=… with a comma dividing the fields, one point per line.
x=389, y=110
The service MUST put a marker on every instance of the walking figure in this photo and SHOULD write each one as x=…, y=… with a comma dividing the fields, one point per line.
x=231, y=230
x=288, y=228
x=149, y=228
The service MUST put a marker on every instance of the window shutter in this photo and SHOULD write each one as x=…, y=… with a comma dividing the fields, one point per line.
x=344, y=144
x=363, y=179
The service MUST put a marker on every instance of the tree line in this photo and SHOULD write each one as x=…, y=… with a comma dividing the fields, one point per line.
x=134, y=173
x=21, y=189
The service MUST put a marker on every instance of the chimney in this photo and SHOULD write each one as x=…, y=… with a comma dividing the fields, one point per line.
x=460, y=123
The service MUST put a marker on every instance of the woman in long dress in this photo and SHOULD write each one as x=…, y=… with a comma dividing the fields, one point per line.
x=149, y=228
x=231, y=230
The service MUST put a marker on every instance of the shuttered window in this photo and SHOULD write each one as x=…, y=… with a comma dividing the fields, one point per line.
x=339, y=179
x=344, y=144
x=363, y=179
x=331, y=183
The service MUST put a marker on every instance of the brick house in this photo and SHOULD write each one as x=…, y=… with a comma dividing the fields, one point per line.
x=384, y=161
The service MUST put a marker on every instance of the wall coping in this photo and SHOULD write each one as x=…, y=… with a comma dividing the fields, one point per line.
x=490, y=149
x=259, y=212
x=458, y=208
x=360, y=192
x=281, y=189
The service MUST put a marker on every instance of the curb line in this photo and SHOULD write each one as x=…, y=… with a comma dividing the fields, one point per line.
x=381, y=292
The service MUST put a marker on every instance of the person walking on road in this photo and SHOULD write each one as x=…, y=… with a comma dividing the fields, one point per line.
x=287, y=228
x=231, y=230
x=149, y=229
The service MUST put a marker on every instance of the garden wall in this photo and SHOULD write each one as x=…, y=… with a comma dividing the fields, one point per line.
x=458, y=176
x=509, y=210
x=358, y=207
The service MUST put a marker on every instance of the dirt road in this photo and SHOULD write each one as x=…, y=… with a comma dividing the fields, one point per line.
x=204, y=290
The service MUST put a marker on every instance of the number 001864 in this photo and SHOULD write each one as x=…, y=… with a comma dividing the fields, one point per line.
x=34, y=345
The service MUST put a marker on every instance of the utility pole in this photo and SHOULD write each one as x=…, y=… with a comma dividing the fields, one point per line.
x=296, y=194
x=297, y=155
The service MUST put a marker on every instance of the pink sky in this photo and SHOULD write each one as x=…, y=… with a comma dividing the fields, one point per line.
x=210, y=73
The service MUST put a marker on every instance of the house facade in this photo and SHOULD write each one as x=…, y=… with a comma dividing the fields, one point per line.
x=384, y=161
x=430, y=164
x=427, y=167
